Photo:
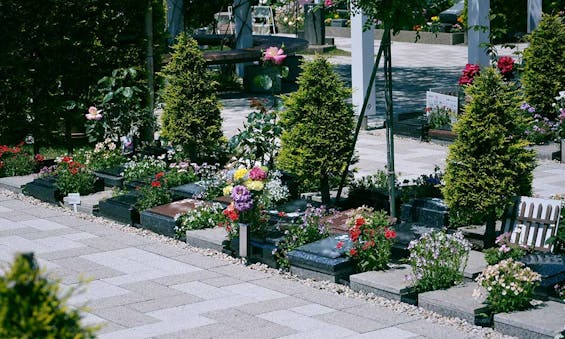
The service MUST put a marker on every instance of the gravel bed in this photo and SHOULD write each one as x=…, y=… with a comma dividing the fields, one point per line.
x=338, y=289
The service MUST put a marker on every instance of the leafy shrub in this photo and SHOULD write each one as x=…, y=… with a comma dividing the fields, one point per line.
x=311, y=227
x=16, y=161
x=438, y=260
x=440, y=118
x=544, y=65
x=32, y=306
x=488, y=163
x=317, y=128
x=505, y=250
x=74, y=177
x=191, y=118
x=143, y=168
x=509, y=284
x=200, y=218
x=372, y=239
x=106, y=155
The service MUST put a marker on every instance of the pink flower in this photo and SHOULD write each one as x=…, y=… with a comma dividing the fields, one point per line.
x=274, y=54
x=506, y=66
x=257, y=173
x=93, y=113
x=469, y=73
x=328, y=3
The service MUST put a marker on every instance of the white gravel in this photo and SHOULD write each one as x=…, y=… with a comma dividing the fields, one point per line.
x=338, y=289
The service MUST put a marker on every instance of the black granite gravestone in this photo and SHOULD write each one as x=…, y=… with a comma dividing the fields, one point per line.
x=188, y=190
x=44, y=189
x=162, y=219
x=120, y=208
x=112, y=176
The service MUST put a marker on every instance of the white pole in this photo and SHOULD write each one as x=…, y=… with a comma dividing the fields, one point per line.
x=478, y=31
x=362, y=59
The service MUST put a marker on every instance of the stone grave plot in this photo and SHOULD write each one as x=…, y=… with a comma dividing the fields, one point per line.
x=16, y=183
x=120, y=208
x=546, y=320
x=162, y=219
x=188, y=191
x=89, y=203
x=393, y=283
x=551, y=267
x=112, y=177
x=322, y=260
x=261, y=249
x=45, y=189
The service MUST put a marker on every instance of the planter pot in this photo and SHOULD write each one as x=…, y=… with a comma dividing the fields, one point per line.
x=262, y=79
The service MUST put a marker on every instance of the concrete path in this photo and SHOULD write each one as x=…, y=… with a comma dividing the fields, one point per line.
x=145, y=286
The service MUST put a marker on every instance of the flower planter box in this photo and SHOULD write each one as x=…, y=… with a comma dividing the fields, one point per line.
x=543, y=321
x=321, y=260
x=44, y=189
x=440, y=134
x=391, y=284
x=112, y=177
x=161, y=219
x=262, y=79
x=405, y=36
x=121, y=208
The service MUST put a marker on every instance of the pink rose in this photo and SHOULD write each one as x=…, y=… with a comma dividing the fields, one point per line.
x=93, y=113
x=274, y=54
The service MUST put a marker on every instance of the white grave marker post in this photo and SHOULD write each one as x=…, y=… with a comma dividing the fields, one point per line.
x=362, y=59
x=243, y=28
x=478, y=32
x=244, y=237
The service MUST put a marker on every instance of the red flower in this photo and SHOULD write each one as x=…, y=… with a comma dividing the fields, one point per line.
x=368, y=245
x=390, y=234
x=67, y=159
x=353, y=252
x=339, y=245
x=39, y=158
x=159, y=175
x=282, y=214
x=360, y=221
x=354, y=234
x=506, y=66
x=231, y=213
x=155, y=183
x=469, y=73
x=73, y=170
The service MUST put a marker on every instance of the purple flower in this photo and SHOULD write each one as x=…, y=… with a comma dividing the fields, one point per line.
x=524, y=106
x=242, y=198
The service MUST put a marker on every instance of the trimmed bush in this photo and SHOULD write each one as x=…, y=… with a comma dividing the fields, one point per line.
x=488, y=163
x=32, y=306
x=544, y=65
x=317, y=128
x=192, y=113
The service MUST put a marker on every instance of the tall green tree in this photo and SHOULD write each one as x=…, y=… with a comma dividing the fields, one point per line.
x=488, y=164
x=317, y=128
x=192, y=112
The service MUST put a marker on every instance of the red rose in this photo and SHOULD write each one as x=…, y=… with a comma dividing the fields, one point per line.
x=506, y=66
x=390, y=234
x=360, y=221
x=159, y=175
x=353, y=252
x=155, y=183
x=339, y=245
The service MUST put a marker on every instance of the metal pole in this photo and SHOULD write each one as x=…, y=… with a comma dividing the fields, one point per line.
x=389, y=124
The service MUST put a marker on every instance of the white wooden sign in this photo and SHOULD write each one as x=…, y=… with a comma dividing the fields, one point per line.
x=73, y=199
x=435, y=99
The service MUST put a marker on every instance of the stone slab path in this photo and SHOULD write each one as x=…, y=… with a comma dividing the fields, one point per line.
x=148, y=286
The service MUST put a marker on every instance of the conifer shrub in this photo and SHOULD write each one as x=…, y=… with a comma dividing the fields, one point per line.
x=32, y=306
x=544, y=65
x=488, y=163
x=191, y=118
x=317, y=128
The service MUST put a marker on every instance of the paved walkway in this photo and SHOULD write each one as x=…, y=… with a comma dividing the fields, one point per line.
x=145, y=286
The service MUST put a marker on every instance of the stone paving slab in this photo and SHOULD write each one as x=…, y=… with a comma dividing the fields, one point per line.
x=208, y=238
x=15, y=184
x=391, y=283
x=544, y=321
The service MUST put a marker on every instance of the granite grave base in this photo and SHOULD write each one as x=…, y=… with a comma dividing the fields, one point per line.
x=44, y=189
x=262, y=250
x=120, y=208
x=551, y=267
x=543, y=321
x=391, y=284
x=212, y=238
x=322, y=260
x=112, y=177
x=188, y=191
x=162, y=219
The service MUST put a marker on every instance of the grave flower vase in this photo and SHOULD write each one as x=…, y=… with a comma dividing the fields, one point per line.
x=262, y=79
x=244, y=240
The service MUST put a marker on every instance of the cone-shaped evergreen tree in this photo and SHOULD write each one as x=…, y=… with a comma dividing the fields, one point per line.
x=488, y=163
x=191, y=117
x=317, y=128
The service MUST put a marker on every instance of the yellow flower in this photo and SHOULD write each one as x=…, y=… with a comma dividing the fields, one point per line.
x=254, y=185
x=240, y=174
x=460, y=19
x=435, y=18
x=227, y=190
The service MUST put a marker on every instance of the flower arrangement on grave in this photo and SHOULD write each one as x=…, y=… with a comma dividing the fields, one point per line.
x=252, y=192
x=73, y=176
x=509, y=284
x=541, y=129
x=559, y=106
x=203, y=216
x=424, y=186
x=505, y=251
x=438, y=260
x=310, y=227
x=469, y=74
x=141, y=168
x=16, y=161
x=505, y=65
x=154, y=194
x=180, y=173
x=106, y=155
x=372, y=239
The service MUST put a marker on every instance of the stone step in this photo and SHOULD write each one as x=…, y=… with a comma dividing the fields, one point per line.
x=546, y=320
x=392, y=283
x=457, y=301
x=89, y=203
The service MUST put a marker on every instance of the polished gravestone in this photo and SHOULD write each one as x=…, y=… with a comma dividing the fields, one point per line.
x=112, y=177
x=162, y=219
x=44, y=189
x=393, y=283
x=322, y=260
x=542, y=321
x=120, y=208
x=189, y=190
x=262, y=249
x=550, y=266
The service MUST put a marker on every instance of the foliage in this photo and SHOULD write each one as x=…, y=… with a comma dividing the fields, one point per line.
x=33, y=306
x=201, y=217
x=440, y=118
x=141, y=168
x=317, y=128
x=53, y=51
x=540, y=130
x=179, y=174
x=154, y=194
x=397, y=14
x=106, y=155
x=438, y=260
x=488, y=163
x=73, y=177
x=309, y=228
x=506, y=250
x=559, y=106
x=258, y=139
x=424, y=186
x=121, y=98
x=544, y=65
x=16, y=161
x=199, y=13
x=372, y=239
x=191, y=117
x=510, y=286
